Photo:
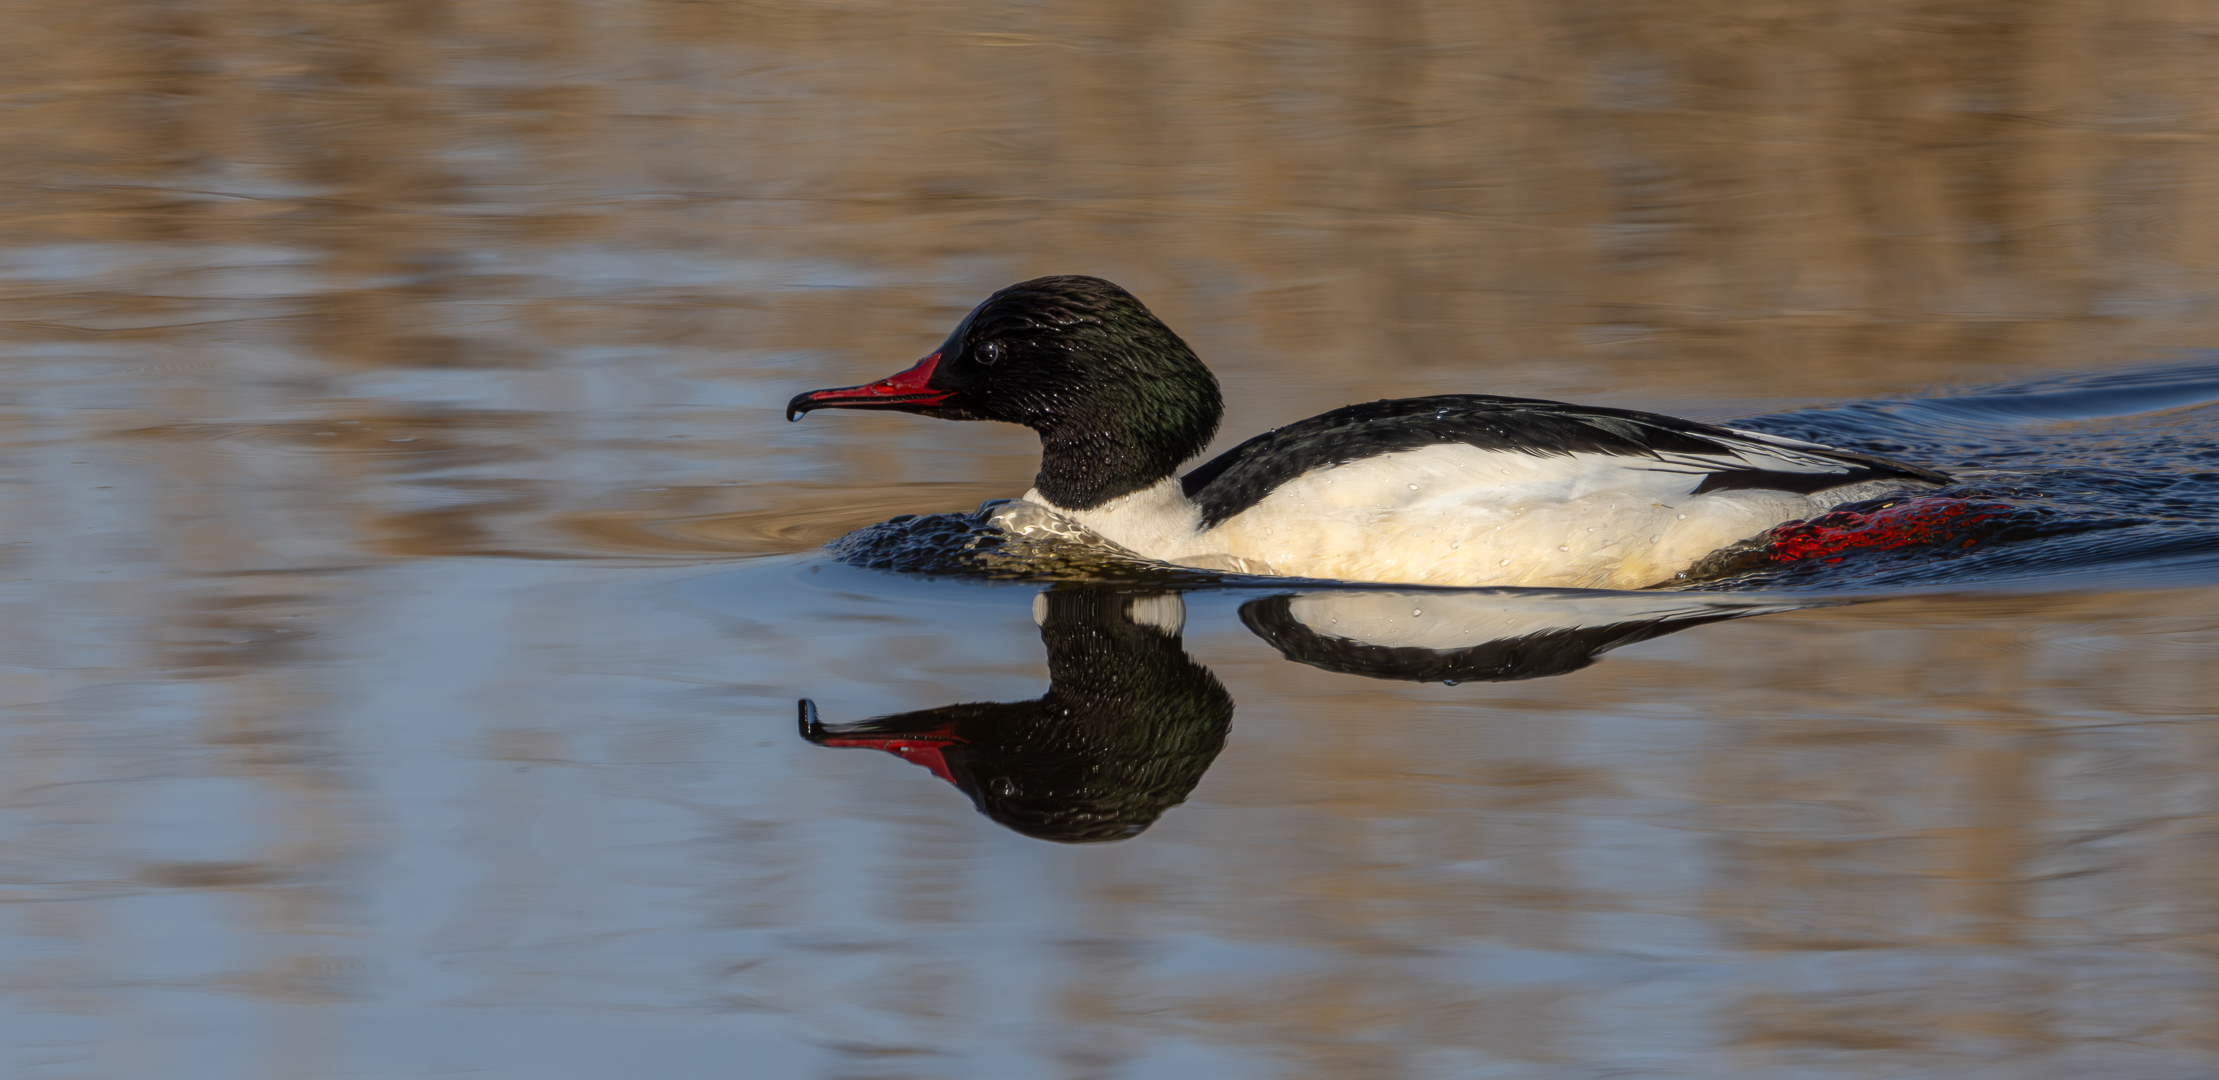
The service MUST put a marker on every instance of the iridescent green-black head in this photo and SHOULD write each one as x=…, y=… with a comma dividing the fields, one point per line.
x=1118, y=399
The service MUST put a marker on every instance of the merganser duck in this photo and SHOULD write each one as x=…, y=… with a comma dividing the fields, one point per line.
x=1454, y=489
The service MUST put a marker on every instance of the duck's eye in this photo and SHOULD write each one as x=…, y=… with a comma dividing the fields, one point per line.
x=987, y=352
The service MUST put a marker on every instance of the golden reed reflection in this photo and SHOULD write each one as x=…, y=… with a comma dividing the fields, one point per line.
x=1773, y=197
x=1890, y=815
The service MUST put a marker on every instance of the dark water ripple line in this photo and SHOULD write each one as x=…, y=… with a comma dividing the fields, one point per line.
x=2126, y=394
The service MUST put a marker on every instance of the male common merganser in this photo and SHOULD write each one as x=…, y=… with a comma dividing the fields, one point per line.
x=1455, y=489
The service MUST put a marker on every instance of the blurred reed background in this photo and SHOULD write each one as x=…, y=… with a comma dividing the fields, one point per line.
x=1739, y=192
x=1705, y=208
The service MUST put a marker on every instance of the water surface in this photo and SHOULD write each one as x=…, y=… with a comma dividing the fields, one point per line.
x=410, y=583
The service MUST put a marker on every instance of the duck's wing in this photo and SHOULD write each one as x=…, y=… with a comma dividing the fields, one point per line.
x=1714, y=458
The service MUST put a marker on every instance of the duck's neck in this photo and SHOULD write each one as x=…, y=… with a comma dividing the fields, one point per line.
x=1146, y=405
x=1082, y=470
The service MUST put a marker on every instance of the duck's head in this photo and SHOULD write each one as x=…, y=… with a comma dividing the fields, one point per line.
x=1119, y=401
x=1129, y=724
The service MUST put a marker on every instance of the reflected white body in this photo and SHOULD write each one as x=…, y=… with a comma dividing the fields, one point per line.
x=1449, y=621
x=1459, y=515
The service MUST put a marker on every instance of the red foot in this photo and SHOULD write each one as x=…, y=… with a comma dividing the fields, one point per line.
x=1934, y=521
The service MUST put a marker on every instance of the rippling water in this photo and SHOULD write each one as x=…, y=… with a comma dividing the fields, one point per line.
x=411, y=584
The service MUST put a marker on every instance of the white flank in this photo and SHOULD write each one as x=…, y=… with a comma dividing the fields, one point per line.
x=1459, y=515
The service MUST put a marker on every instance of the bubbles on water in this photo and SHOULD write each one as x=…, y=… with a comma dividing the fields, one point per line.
x=973, y=545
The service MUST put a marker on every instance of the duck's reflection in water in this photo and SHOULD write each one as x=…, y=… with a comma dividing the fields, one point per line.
x=1452, y=637
x=1130, y=722
x=1128, y=726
